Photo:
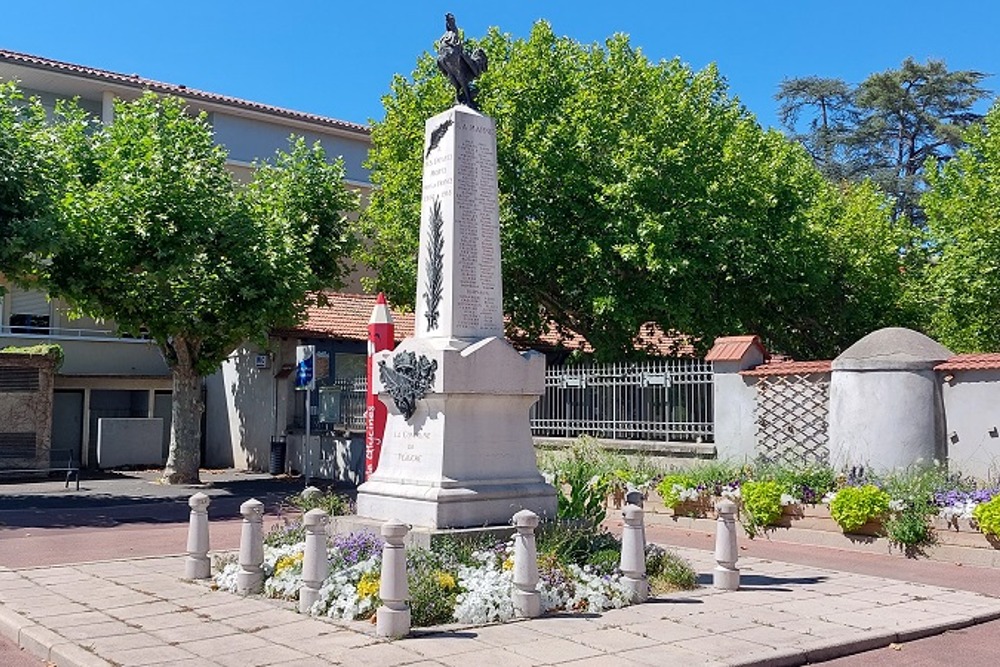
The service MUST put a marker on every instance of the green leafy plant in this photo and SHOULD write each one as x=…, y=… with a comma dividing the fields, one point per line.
x=908, y=524
x=672, y=487
x=334, y=504
x=854, y=506
x=761, y=505
x=987, y=517
x=581, y=476
x=667, y=571
x=433, y=584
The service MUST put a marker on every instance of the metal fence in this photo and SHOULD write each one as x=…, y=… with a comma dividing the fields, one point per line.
x=662, y=400
x=342, y=403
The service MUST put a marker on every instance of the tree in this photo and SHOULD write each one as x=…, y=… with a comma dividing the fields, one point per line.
x=155, y=234
x=888, y=126
x=964, y=284
x=630, y=191
x=30, y=179
x=827, y=131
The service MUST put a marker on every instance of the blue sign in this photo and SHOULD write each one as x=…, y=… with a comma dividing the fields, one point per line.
x=304, y=374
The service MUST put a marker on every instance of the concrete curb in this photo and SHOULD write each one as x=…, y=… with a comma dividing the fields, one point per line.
x=46, y=644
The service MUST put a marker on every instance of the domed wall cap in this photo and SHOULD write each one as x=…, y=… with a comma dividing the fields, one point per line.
x=892, y=348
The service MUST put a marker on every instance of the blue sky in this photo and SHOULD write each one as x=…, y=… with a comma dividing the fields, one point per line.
x=336, y=58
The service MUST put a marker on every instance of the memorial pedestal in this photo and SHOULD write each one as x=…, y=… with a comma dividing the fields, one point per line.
x=457, y=450
x=465, y=458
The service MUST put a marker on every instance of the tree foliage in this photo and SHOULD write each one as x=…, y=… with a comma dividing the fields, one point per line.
x=885, y=128
x=964, y=283
x=633, y=191
x=151, y=231
x=32, y=175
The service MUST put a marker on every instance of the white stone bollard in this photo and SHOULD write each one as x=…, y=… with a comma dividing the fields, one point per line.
x=527, y=599
x=250, y=578
x=310, y=492
x=726, y=575
x=633, y=560
x=197, y=565
x=393, y=617
x=315, y=566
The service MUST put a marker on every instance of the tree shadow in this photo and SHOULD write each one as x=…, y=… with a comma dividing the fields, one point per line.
x=115, y=498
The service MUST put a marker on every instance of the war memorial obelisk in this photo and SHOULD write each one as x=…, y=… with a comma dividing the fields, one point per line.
x=457, y=450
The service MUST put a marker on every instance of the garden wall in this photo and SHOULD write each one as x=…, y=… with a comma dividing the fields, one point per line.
x=790, y=416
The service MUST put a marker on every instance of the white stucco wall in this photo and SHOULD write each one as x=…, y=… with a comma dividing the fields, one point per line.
x=972, y=406
x=884, y=419
x=734, y=397
x=240, y=412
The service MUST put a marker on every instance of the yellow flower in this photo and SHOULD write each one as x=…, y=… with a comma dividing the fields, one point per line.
x=368, y=587
x=508, y=564
x=286, y=562
x=445, y=580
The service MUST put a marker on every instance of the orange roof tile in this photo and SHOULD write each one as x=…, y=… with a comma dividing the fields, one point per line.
x=971, y=362
x=787, y=367
x=346, y=317
x=732, y=348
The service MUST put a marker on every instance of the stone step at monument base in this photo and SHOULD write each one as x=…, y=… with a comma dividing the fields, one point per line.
x=424, y=538
x=468, y=504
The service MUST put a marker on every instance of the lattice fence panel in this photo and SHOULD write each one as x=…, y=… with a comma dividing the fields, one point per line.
x=792, y=414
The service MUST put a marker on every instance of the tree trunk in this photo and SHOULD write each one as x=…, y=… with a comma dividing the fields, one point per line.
x=185, y=427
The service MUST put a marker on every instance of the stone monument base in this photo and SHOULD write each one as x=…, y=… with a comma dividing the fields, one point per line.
x=485, y=504
x=465, y=458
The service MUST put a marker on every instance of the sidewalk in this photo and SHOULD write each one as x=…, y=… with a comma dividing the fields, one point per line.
x=140, y=612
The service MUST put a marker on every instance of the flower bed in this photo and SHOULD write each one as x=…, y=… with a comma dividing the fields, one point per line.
x=457, y=583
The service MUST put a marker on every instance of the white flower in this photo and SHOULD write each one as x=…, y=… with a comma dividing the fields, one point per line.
x=731, y=492
x=788, y=499
x=686, y=494
x=828, y=498
x=897, y=505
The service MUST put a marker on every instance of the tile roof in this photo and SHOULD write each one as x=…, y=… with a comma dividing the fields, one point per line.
x=971, y=362
x=346, y=316
x=732, y=348
x=788, y=367
x=139, y=83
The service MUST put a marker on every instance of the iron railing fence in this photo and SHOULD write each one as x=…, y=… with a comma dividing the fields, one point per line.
x=660, y=400
x=343, y=402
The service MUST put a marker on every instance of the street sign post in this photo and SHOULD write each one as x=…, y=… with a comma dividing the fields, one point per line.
x=305, y=380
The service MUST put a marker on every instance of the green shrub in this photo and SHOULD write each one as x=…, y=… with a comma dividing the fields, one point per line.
x=667, y=571
x=582, y=477
x=912, y=508
x=910, y=529
x=670, y=487
x=605, y=560
x=987, y=516
x=332, y=503
x=761, y=505
x=572, y=542
x=807, y=483
x=854, y=506
x=433, y=586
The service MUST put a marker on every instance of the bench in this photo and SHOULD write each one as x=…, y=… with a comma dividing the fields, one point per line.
x=56, y=457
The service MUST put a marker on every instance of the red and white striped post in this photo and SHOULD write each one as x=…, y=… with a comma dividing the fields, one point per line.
x=381, y=336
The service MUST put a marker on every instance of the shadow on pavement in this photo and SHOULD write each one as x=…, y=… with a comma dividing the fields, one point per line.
x=109, y=499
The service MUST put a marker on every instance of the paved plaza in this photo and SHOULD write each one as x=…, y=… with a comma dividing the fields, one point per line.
x=140, y=612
